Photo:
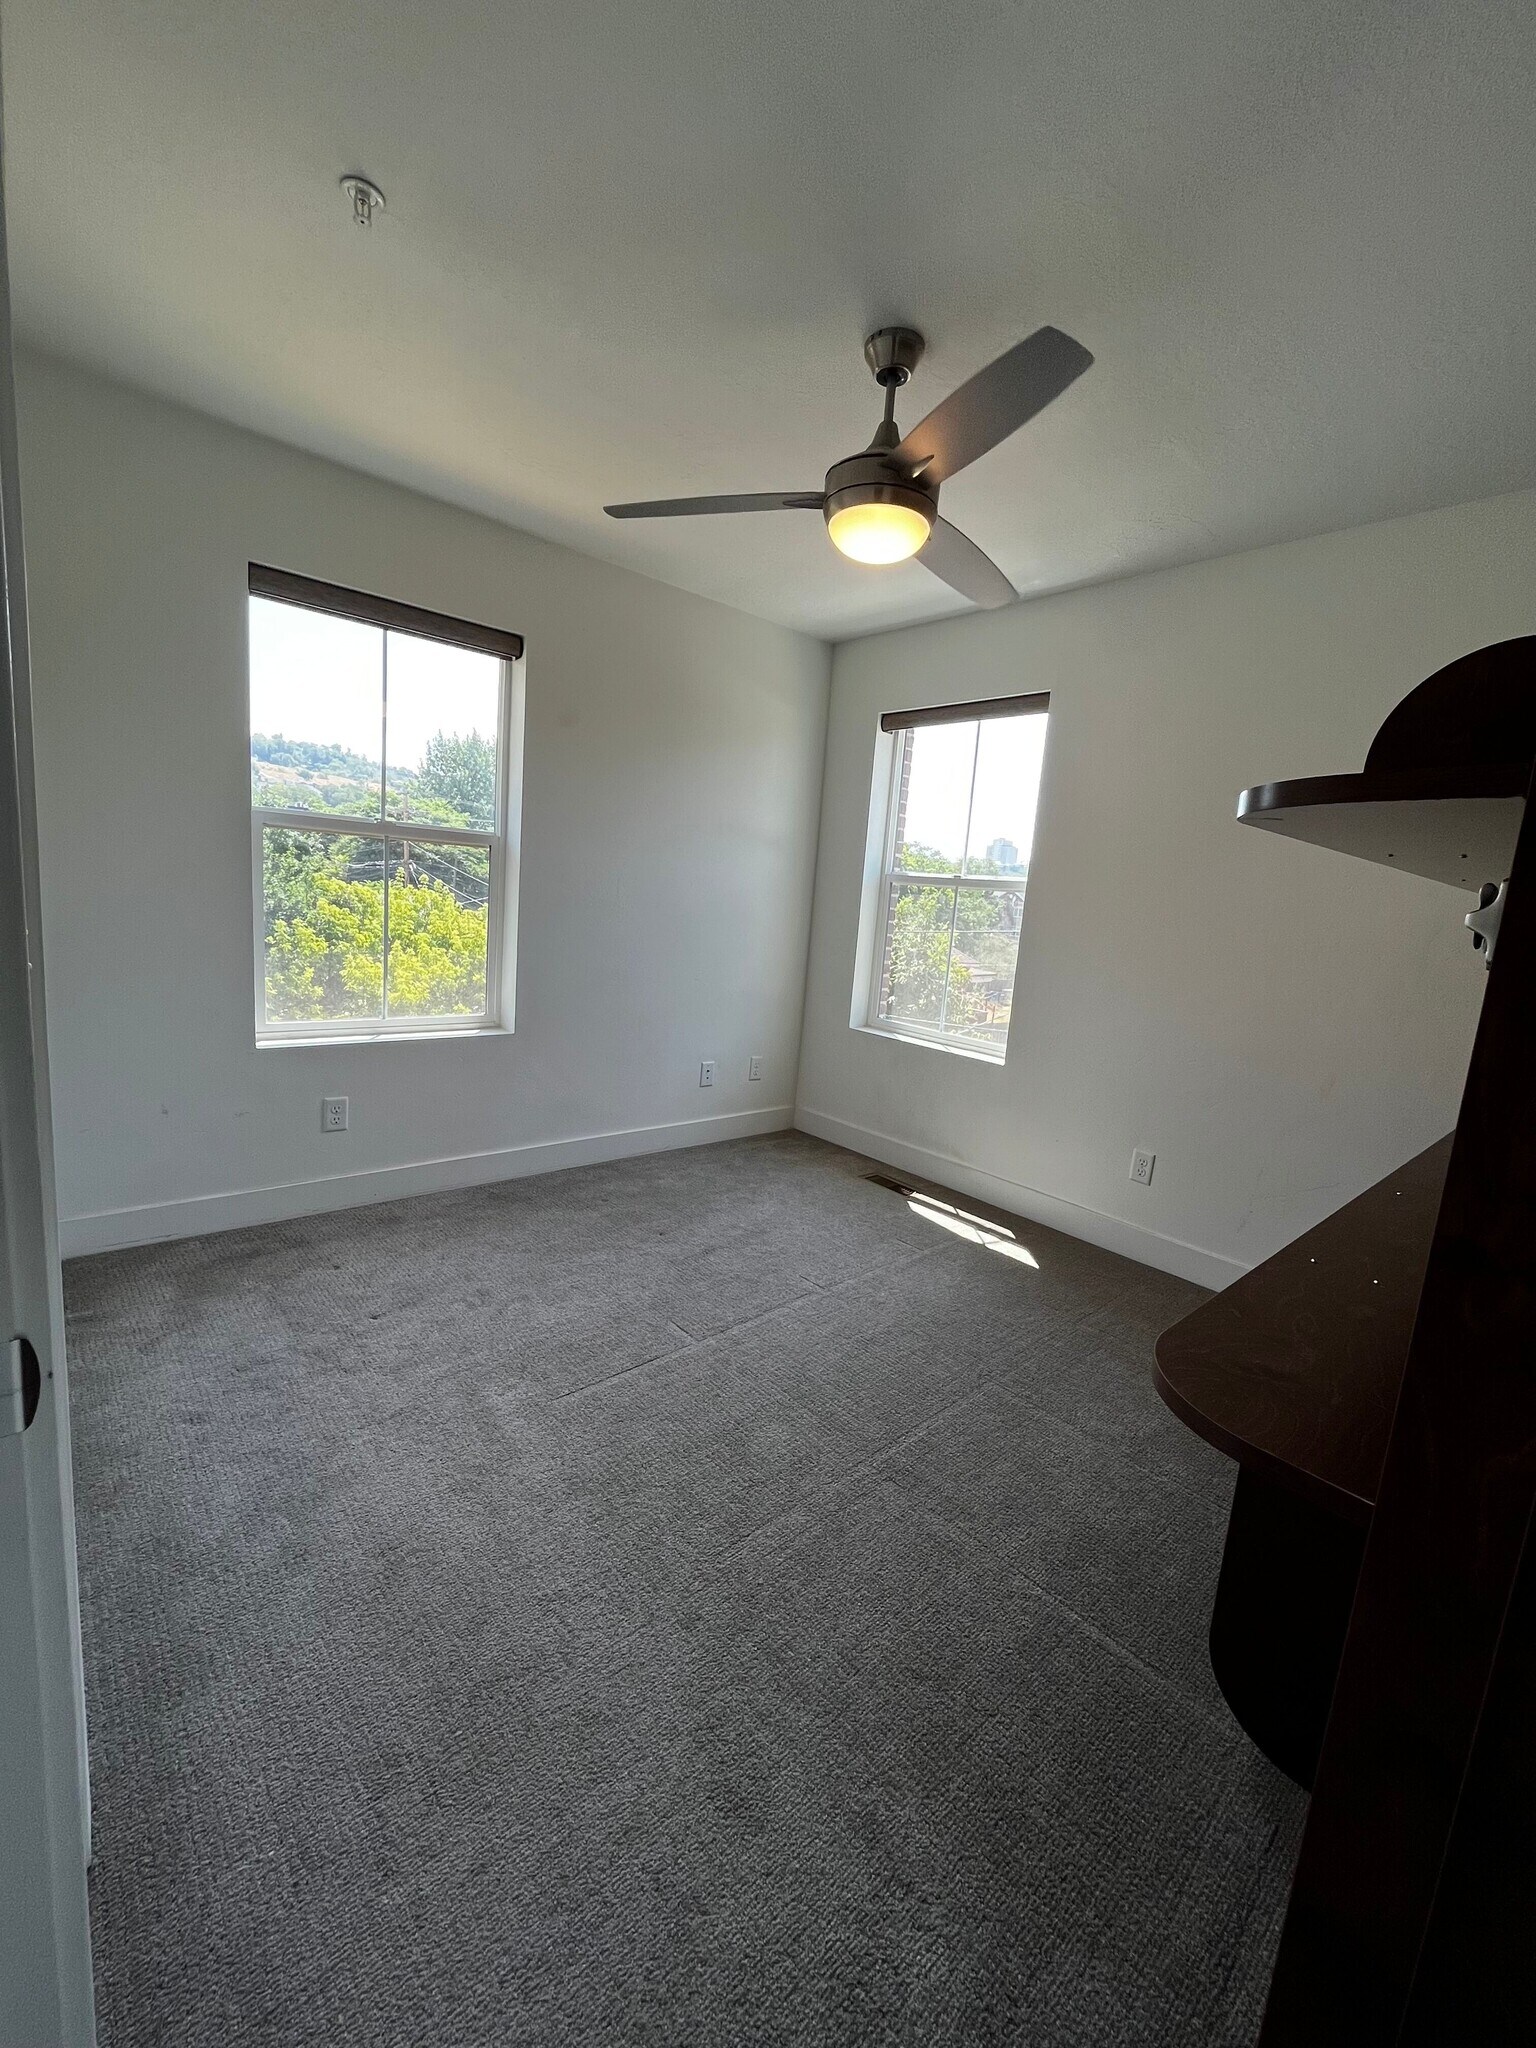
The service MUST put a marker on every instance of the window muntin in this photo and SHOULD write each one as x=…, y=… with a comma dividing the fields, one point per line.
x=961, y=822
x=357, y=725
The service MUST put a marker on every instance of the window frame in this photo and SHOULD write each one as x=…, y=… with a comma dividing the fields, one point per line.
x=901, y=725
x=285, y=587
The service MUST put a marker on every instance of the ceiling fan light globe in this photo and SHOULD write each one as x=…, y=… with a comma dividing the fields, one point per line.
x=878, y=523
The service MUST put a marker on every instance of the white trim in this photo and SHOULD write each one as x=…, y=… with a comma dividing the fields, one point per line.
x=914, y=1034
x=941, y=878
x=437, y=1027
x=389, y=827
x=377, y=1030
x=1093, y=1226
x=153, y=1222
x=901, y=742
x=870, y=944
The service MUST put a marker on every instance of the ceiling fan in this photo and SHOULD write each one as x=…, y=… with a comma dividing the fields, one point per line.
x=882, y=505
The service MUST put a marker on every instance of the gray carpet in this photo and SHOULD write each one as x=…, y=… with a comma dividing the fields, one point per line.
x=691, y=1600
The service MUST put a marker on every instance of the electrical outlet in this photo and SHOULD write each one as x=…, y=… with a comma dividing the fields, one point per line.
x=333, y=1113
x=706, y=1073
x=755, y=1067
x=1142, y=1164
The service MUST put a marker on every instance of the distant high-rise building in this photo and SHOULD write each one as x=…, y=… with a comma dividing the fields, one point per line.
x=1005, y=853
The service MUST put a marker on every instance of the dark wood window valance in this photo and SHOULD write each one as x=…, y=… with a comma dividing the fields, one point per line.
x=289, y=588
x=954, y=714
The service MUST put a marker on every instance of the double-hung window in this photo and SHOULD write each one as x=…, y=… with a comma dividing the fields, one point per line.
x=965, y=782
x=381, y=788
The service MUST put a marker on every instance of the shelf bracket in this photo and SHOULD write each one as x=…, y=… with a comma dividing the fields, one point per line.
x=1483, y=923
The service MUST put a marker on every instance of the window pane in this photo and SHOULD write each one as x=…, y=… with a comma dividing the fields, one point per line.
x=934, y=799
x=981, y=967
x=437, y=929
x=916, y=953
x=1008, y=758
x=323, y=926
x=317, y=710
x=441, y=745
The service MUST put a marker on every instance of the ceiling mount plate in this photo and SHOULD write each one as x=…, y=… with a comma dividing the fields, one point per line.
x=893, y=353
x=365, y=196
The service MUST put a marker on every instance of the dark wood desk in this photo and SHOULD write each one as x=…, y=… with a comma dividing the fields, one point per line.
x=1294, y=1371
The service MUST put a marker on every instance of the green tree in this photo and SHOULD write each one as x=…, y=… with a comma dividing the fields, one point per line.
x=328, y=960
x=324, y=896
x=436, y=951
x=978, y=966
x=459, y=771
x=919, y=961
x=291, y=863
x=918, y=859
x=325, y=935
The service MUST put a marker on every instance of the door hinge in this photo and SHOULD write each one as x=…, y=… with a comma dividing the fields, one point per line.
x=21, y=1388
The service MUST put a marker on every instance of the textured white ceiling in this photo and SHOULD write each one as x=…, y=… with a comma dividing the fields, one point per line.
x=632, y=248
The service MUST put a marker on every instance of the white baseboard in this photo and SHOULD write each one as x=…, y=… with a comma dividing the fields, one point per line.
x=1111, y=1233
x=154, y=1222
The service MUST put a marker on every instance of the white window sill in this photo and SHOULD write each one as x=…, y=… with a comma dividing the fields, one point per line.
x=438, y=1037
x=987, y=1057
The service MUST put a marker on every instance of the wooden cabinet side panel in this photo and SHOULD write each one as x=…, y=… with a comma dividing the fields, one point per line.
x=1440, y=1560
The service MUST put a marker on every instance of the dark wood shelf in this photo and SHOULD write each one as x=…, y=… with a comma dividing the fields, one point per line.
x=1442, y=792
x=1455, y=825
x=1294, y=1369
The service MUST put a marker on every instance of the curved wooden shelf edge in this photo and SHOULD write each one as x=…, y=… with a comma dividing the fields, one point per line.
x=1293, y=1370
x=1451, y=823
x=1296, y=1479
x=1493, y=780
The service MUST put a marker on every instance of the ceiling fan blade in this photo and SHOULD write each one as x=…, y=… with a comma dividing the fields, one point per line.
x=990, y=406
x=749, y=501
x=961, y=564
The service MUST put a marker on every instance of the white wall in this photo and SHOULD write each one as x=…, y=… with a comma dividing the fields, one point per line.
x=672, y=776
x=1281, y=1025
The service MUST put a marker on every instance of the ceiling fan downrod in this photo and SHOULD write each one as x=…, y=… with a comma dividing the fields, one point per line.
x=892, y=354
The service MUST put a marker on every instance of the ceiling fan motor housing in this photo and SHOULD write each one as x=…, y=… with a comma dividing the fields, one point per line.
x=870, y=479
